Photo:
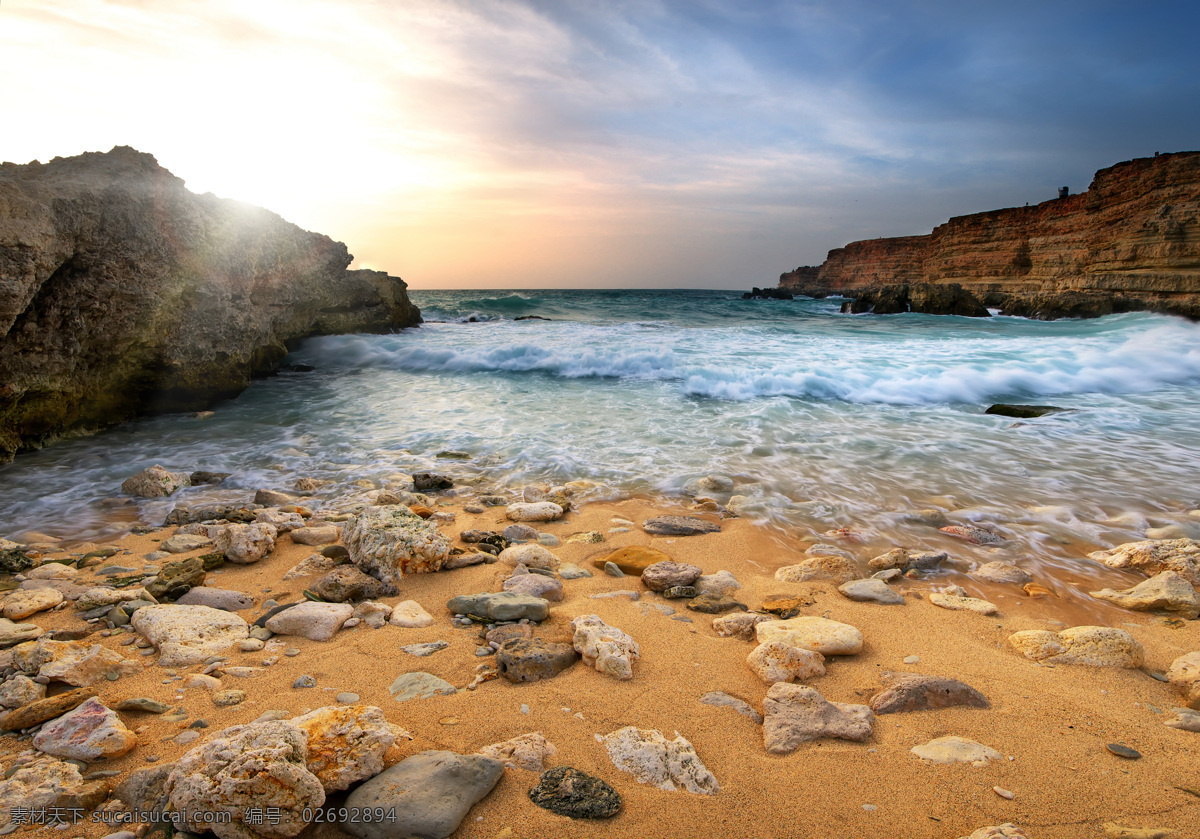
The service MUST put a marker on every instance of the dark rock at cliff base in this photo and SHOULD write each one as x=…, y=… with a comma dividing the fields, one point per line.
x=925, y=298
x=1023, y=411
x=428, y=481
x=122, y=294
x=757, y=293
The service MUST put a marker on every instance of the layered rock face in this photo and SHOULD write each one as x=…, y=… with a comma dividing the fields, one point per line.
x=122, y=293
x=1131, y=242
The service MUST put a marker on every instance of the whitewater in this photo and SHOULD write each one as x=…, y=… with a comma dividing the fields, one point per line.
x=822, y=420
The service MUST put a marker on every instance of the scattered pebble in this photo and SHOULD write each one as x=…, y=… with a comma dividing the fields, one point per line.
x=1121, y=750
x=912, y=659
x=305, y=681
x=611, y=569
x=347, y=698
x=291, y=652
x=1003, y=793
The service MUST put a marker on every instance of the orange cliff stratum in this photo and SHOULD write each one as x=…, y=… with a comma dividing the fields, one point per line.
x=1130, y=243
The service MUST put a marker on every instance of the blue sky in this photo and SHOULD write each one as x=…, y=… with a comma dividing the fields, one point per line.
x=524, y=144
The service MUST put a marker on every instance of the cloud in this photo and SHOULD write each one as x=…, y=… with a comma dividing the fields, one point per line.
x=512, y=143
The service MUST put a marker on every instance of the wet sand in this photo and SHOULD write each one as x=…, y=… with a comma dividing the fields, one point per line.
x=1051, y=723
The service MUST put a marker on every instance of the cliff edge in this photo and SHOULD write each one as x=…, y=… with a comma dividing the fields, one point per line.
x=122, y=293
x=1130, y=242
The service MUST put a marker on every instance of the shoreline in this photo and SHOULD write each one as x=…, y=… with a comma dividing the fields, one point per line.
x=1054, y=721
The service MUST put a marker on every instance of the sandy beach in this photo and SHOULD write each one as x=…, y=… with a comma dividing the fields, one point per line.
x=1051, y=723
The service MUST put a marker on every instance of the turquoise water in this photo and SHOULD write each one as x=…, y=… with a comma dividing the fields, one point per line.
x=823, y=420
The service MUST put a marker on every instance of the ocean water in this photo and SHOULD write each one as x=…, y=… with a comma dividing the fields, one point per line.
x=822, y=420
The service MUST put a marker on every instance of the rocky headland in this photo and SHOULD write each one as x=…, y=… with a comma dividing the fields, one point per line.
x=122, y=293
x=1131, y=242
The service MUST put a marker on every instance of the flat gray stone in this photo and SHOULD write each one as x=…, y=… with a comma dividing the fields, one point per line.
x=871, y=591
x=721, y=699
x=500, y=606
x=418, y=685
x=422, y=650
x=430, y=793
x=679, y=526
x=217, y=598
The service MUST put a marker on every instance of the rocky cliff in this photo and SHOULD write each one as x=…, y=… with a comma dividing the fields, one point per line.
x=122, y=293
x=1131, y=242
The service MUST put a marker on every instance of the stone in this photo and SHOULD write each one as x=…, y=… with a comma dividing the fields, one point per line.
x=143, y=791
x=176, y=579
x=531, y=556
x=633, y=559
x=832, y=568
x=906, y=560
x=1184, y=670
x=216, y=598
x=466, y=559
x=430, y=792
x=94, y=598
x=12, y=634
x=571, y=571
x=373, y=614
x=1185, y=719
x=275, y=498
x=1167, y=591
x=425, y=650
x=418, y=685
x=711, y=604
x=679, y=526
x=719, y=584
x=1121, y=750
x=327, y=534
x=244, y=770
x=251, y=645
x=575, y=794
x=827, y=637
x=89, y=732
x=500, y=606
x=956, y=750
x=1093, y=646
x=411, y=615
x=664, y=575
x=779, y=661
x=520, y=533
x=974, y=535
x=74, y=662
x=228, y=698
x=314, y=621
x=431, y=482
x=1153, y=556
x=721, y=699
x=40, y=710
x=389, y=542
x=186, y=635
x=244, y=544
x=346, y=743
x=796, y=714
x=679, y=592
x=871, y=591
x=24, y=603
x=604, y=647
x=155, y=482
x=739, y=625
x=315, y=564
x=535, y=511
x=913, y=692
x=182, y=543
x=1001, y=572
x=963, y=604
x=590, y=537
x=535, y=585
x=613, y=570
x=525, y=751
x=348, y=583
x=653, y=759
x=42, y=783
x=530, y=660
x=143, y=703
x=18, y=690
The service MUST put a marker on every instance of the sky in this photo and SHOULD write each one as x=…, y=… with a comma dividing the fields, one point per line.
x=529, y=144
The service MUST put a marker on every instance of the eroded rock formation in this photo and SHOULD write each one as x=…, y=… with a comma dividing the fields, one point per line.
x=122, y=293
x=1131, y=242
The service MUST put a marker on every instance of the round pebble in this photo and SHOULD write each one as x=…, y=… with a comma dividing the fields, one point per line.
x=912, y=659
x=305, y=681
x=291, y=652
x=347, y=698
x=1121, y=750
x=482, y=651
x=1003, y=793
x=250, y=645
x=185, y=737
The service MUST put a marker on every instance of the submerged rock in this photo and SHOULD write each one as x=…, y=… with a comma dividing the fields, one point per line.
x=906, y=560
x=679, y=526
x=1001, y=572
x=1022, y=411
x=1155, y=556
x=155, y=482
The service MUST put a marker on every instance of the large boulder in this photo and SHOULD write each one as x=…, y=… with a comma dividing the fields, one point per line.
x=174, y=300
x=89, y=732
x=827, y=637
x=155, y=482
x=39, y=783
x=1094, y=646
x=245, y=543
x=389, y=542
x=242, y=771
x=346, y=743
x=1167, y=591
x=1153, y=556
x=186, y=635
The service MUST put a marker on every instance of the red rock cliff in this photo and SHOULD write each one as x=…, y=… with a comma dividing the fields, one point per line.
x=1131, y=242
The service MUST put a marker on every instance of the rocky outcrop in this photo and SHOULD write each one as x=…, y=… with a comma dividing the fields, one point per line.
x=1131, y=242
x=122, y=293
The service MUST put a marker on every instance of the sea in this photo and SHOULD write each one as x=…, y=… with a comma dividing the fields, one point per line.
x=822, y=422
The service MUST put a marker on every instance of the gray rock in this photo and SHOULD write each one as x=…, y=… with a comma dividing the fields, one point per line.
x=1001, y=572
x=872, y=590
x=142, y=791
x=679, y=526
x=183, y=542
x=305, y=681
x=143, y=703
x=907, y=560
x=721, y=699
x=348, y=583
x=521, y=533
x=720, y=583
x=611, y=569
x=796, y=714
x=430, y=792
x=500, y=606
x=423, y=650
x=914, y=692
x=314, y=621
x=571, y=571
x=217, y=598
x=418, y=685
x=535, y=585
x=348, y=698
x=429, y=481
x=531, y=660
x=226, y=698
x=577, y=795
x=664, y=575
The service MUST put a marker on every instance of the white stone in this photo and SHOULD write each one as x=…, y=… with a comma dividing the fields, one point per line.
x=827, y=637
x=183, y=542
x=322, y=535
x=963, y=604
x=605, y=647
x=411, y=615
x=530, y=555
x=653, y=759
x=1185, y=669
x=246, y=543
x=389, y=542
x=314, y=621
x=739, y=624
x=1094, y=646
x=22, y=604
x=311, y=566
x=716, y=584
x=77, y=663
x=20, y=690
x=537, y=511
x=779, y=661
x=281, y=521
x=956, y=750
x=186, y=635
x=89, y=732
x=52, y=571
x=155, y=482
x=525, y=751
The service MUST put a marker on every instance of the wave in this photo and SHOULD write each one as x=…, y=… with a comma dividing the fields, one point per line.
x=739, y=366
